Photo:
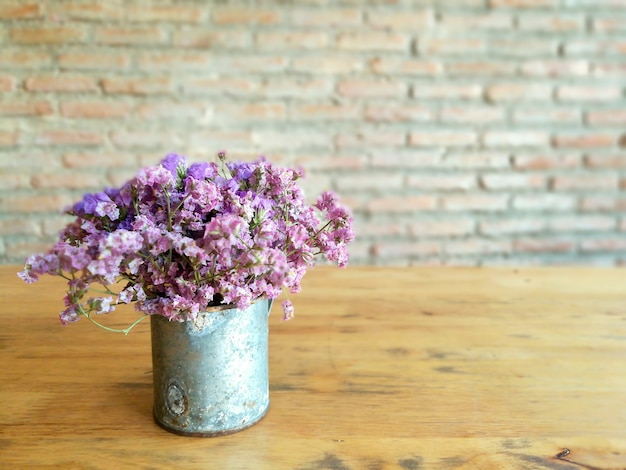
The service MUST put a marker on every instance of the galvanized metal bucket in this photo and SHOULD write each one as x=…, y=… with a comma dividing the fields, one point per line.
x=211, y=375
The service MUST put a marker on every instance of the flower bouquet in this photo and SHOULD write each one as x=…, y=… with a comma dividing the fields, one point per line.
x=181, y=238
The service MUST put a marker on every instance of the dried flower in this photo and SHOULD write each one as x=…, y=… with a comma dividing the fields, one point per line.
x=180, y=238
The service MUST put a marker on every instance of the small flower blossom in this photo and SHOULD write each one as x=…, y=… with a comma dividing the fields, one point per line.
x=287, y=310
x=180, y=238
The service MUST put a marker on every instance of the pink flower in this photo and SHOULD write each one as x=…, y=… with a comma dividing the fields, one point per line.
x=179, y=238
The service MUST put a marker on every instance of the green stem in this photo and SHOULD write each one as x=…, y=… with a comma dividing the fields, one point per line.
x=115, y=330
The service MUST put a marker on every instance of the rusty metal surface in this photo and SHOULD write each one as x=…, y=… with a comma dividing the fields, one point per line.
x=211, y=375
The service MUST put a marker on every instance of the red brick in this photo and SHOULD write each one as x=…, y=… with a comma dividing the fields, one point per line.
x=399, y=113
x=67, y=137
x=20, y=11
x=481, y=68
x=406, y=158
x=287, y=40
x=611, y=161
x=98, y=160
x=167, y=61
x=510, y=226
x=492, y=21
x=543, y=161
x=516, y=138
x=373, y=41
x=125, y=36
x=7, y=83
x=510, y=181
x=327, y=17
x=12, y=181
x=8, y=138
x=505, y=92
x=29, y=159
x=19, y=250
x=25, y=108
x=442, y=228
x=25, y=59
x=472, y=115
x=334, y=162
x=441, y=138
x=543, y=245
x=597, y=204
x=404, y=249
x=328, y=64
x=604, y=48
x=244, y=112
x=609, y=24
x=544, y=202
x=551, y=23
x=297, y=87
x=585, y=182
x=130, y=138
x=172, y=110
x=365, y=181
x=452, y=46
x=363, y=88
x=582, y=223
x=19, y=226
x=95, y=109
x=377, y=229
x=442, y=182
x=403, y=66
x=607, y=117
x=555, y=68
x=226, y=15
x=286, y=138
x=166, y=13
x=475, y=202
x=53, y=224
x=34, y=203
x=604, y=245
x=48, y=35
x=608, y=69
x=401, y=204
x=376, y=139
x=447, y=91
x=137, y=85
x=589, y=93
x=477, y=246
x=60, y=83
x=221, y=86
x=221, y=139
x=410, y=20
x=475, y=160
x=324, y=112
x=90, y=61
x=71, y=180
x=202, y=38
x=523, y=3
x=524, y=47
x=94, y=11
x=539, y=115
x=586, y=140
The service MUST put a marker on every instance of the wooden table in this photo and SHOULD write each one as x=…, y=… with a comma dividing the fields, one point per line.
x=443, y=368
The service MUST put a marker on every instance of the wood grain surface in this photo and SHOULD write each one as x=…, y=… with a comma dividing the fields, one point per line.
x=382, y=368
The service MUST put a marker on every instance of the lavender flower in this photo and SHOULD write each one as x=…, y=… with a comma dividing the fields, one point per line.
x=180, y=238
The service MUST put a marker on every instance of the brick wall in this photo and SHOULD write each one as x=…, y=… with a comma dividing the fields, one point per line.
x=459, y=131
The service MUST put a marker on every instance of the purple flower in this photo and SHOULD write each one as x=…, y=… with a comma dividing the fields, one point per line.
x=287, y=310
x=172, y=162
x=180, y=238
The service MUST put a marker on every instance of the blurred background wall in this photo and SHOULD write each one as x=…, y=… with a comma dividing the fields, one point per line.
x=461, y=132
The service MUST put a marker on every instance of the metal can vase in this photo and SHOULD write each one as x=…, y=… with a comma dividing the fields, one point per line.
x=211, y=374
